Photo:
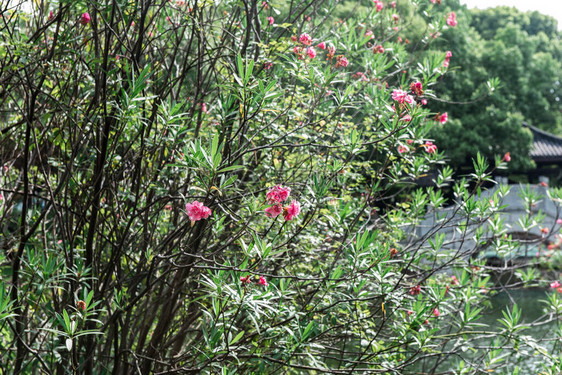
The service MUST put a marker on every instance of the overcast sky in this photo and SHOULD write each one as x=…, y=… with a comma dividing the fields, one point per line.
x=551, y=8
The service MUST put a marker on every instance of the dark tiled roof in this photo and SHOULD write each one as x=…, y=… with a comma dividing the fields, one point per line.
x=546, y=147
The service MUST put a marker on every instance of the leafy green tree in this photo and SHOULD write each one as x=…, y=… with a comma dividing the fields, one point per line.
x=227, y=187
x=509, y=45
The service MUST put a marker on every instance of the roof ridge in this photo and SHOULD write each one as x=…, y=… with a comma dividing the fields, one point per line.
x=542, y=132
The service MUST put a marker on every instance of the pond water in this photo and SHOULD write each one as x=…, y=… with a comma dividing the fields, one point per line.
x=531, y=311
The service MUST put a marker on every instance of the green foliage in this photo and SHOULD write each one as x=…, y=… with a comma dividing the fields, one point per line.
x=521, y=51
x=118, y=131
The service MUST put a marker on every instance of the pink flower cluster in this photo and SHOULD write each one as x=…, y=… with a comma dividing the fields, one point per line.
x=85, y=19
x=452, y=19
x=197, y=211
x=430, y=147
x=341, y=61
x=406, y=118
x=362, y=76
x=417, y=88
x=443, y=118
x=378, y=5
x=556, y=285
x=246, y=280
x=305, y=39
x=311, y=52
x=276, y=196
x=402, y=96
x=270, y=20
x=448, y=56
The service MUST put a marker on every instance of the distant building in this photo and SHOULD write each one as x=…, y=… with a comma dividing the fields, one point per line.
x=546, y=152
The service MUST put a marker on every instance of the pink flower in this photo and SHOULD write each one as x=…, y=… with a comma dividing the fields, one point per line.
x=311, y=52
x=555, y=285
x=267, y=65
x=443, y=118
x=409, y=141
x=424, y=101
x=342, y=61
x=430, y=147
x=51, y=16
x=452, y=19
x=305, y=39
x=321, y=45
x=454, y=280
x=262, y=281
x=265, y=5
x=361, y=75
x=245, y=279
x=415, y=290
x=436, y=312
x=402, y=96
x=370, y=34
x=85, y=19
x=402, y=149
x=378, y=49
x=292, y=210
x=298, y=51
x=197, y=211
x=559, y=221
x=378, y=4
x=417, y=88
x=278, y=194
x=395, y=17
x=506, y=157
x=559, y=290
x=406, y=118
x=545, y=230
x=274, y=211
x=393, y=5
x=270, y=20
x=409, y=312
x=204, y=108
x=448, y=56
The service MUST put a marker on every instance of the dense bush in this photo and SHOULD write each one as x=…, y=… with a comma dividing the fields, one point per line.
x=227, y=186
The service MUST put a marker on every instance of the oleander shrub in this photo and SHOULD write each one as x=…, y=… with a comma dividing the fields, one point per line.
x=233, y=187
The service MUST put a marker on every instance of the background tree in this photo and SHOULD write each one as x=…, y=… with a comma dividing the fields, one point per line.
x=522, y=50
x=195, y=187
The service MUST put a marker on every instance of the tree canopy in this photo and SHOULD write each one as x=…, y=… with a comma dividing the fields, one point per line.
x=523, y=51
